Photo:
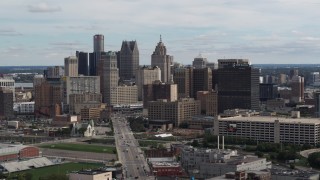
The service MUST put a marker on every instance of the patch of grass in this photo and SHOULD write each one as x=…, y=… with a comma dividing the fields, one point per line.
x=81, y=147
x=57, y=169
x=149, y=143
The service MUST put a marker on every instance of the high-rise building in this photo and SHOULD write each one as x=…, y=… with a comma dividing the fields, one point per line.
x=268, y=91
x=83, y=67
x=79, y=85
x=8, y=82
x=282, y=79
x=124, y=95
x=212, y=103
x=146, y=75
x=199, y=62
x=95, y=57
x=129, y=60
x=71, y=66
x=237, y=84
x=163, y=61
x=231, y=62
x=183, y=77
x=317, y=103
x=109, y=75
x=315, y=78
x=6, y=103
x=54, y=72
x=208, y=102
x=293, y=72
x=202, y=80
x=84, y=100
x=48, y=95
x=175, y=111
x=159, y=90
x=297, y=89
x=98, y=43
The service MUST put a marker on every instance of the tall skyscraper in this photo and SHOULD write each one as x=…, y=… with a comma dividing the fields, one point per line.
x=94, y=58
x=199, y=62
x=129, y=60
x=98, y=43
x=237, y=84
x=297, y=89
x=163, y=61
x=159, y=90
x=83, y=67
x=202, y=80
x=317, y=106
x=6, y=103
x=8, y=82
x=183, y=77
x=71, y=66
x=109, y=75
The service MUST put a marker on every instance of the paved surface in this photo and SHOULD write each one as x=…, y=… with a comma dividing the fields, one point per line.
x=130, y=155
x=78, y=155
x=306, y=153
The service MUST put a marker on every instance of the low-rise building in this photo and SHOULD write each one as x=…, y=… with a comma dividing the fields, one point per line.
x=64, y=120
x=10, y=152
x=206, y=163
x=24, y=107
x=91, y=175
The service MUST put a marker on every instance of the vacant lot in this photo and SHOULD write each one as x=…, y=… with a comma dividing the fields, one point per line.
x=81, y=147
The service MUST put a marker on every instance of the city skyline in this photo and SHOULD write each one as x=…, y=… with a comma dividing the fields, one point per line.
x=274, y=31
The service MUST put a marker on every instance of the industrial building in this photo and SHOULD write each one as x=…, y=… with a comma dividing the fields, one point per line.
x=207, y=163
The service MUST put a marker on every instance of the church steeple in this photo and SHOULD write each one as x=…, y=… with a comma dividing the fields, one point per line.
x=160, y=38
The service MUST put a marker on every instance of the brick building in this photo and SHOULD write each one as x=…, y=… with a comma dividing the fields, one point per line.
x=10, y=152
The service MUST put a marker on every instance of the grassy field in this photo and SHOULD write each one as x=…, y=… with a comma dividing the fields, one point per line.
x=58, y=169
x=81, y=147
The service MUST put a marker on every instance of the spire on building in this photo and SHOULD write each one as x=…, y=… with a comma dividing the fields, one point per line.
x=160, y=38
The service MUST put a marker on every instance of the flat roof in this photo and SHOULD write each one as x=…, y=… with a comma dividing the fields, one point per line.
x=272, y=119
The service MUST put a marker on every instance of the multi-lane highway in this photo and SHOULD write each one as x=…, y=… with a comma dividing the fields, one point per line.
x=130, y=155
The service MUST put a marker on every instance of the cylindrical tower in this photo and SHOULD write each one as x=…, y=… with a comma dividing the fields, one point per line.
x=98, y=43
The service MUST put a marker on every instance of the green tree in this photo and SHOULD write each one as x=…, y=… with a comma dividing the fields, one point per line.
x=259, y=154
x=314, y=160
x=195, y=143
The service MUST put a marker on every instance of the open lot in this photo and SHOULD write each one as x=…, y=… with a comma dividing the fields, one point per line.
x=81, y=147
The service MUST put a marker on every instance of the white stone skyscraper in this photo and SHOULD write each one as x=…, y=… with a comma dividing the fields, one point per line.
x=162, y=60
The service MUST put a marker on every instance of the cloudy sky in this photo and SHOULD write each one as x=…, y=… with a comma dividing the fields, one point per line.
x=265, y=31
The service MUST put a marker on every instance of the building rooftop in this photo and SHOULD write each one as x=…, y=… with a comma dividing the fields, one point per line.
x=11, y=148
x=165, y=164
x=271, y=119
x=91, y=172
x=293, y=173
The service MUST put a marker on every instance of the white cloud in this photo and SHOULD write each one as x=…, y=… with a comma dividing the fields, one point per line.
x=43, y=8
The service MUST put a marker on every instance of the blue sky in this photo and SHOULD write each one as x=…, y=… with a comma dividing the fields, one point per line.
x=264, y=31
